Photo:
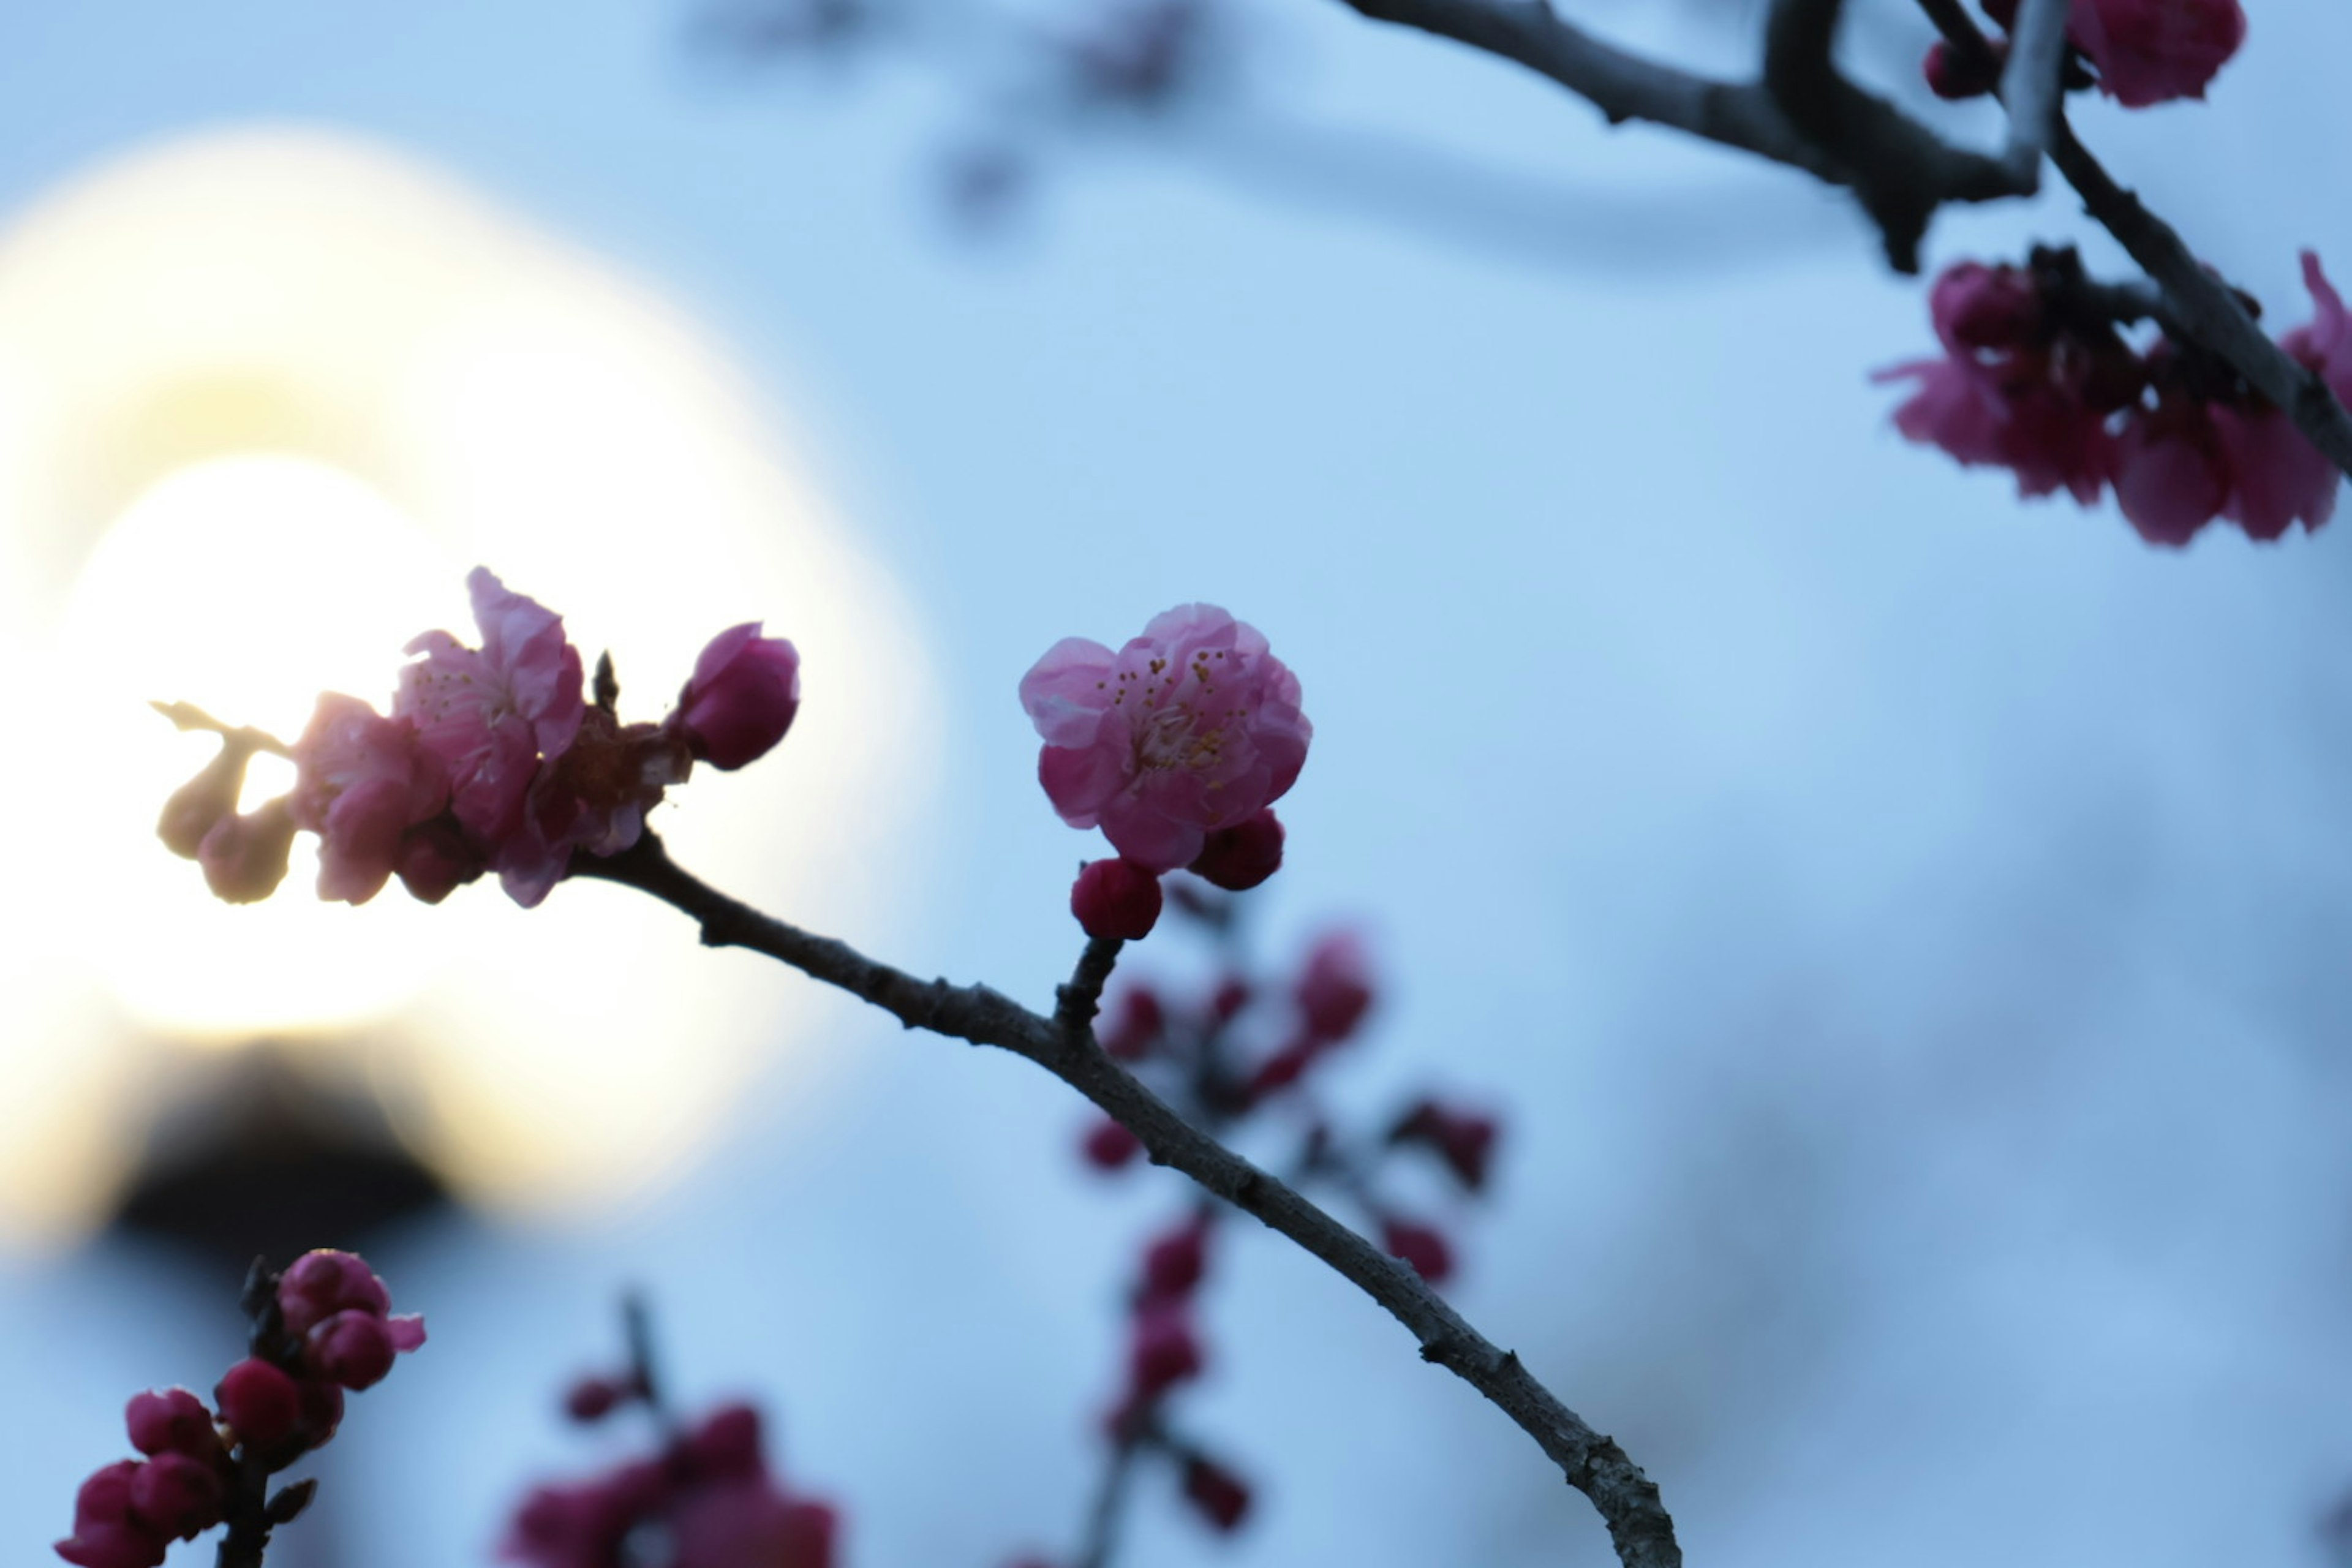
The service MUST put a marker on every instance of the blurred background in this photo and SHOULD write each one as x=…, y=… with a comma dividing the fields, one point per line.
x=1903, y=927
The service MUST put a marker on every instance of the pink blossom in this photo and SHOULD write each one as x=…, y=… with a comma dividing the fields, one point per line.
x=1191, y=727
x=2152, y=51
x=593, y=798
x=743, y=695
x=171, y=1421
x=1973, y=306
x=490, y=714
x=725, y=1445
x=245, y=857
x=2172, y=472
x=749, y=1521
x=2282, y=479
x=351, y=1348
x=361, y=782
x=583, y=1525
x=107, y=1533
x=1116, y=898
x=2007, y=415
x=1109, y=1146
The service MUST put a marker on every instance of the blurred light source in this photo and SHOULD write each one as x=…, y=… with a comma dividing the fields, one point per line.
x=263, y=398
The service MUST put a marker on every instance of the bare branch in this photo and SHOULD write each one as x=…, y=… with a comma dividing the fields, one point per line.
x=1901, y=171
x=1593, y=1464
x=2033, y=87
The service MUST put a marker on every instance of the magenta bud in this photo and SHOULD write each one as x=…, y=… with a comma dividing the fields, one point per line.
x=1238, y=858
x=745, y=691
x=726, y=1445
x=593, y=1398
x=174, y=1495
x=1115, y=898
x=1422, y=1246
x=1108, y=1146
x=260, y=1402
x=353, y=1348
x=1164, y=1351
x=171, y=1421
x=1173, y=1264
x=323, y=1282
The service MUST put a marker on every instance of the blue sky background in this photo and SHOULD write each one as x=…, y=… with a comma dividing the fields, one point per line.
x=1906, y=927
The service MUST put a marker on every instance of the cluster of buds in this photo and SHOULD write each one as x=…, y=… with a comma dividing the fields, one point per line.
x=2138, y=52
x=1175, y=746
x=493, y=759
x=704, y=1499
x=1239, y=1055
x=323, y=1327
x=2037, y=378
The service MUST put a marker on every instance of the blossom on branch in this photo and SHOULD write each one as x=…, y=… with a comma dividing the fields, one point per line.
x=741, y=700
x=1191, y=727
x=2146, y=51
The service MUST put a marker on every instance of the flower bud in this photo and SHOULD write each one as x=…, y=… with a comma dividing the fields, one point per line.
x=1165, y=1351
x=1115, y=898
x=593, y=1398
x=1109, y=1146
x=321, y=1283
x=171, y=1421
x=1238, y=858
x=353, y=1349
x=745, y=690
x=107, y=1534
x=174, y=1495
x=1221, y=1496
x=1335, y=989
x=260, y=1403
x=1173, y=1265
x=196, y=807
x=244, y=857
x=1422, y=1246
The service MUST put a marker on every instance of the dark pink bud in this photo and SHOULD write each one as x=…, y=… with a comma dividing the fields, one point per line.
x=1164, y=1351
x=726, y=1445
x=434, y=861
x=1335, y=989
x=1282, y=1069
x=197, y=805
x=1137, y=1023
x=1463, y=1139
x=171, y=1421
x=1421, y=1245
x=260, y=1403
x=1173, y=1264
x=1115, y=898
x=1222, y=1498
x=1978, y=307
x=174, y=1495
x=745, y=690
x=1232, y=995
x=806, y=1531
x=593, y=1398
x=106, y=1533
x=244, y=857
x=322, y=1283
x=353, y=1349
x=1238, y=858
x=1109, y=1146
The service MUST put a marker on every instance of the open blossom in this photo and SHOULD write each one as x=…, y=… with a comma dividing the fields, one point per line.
x=2148, y=51
x=489, y=714
x=1191, y=727
x=361, y=780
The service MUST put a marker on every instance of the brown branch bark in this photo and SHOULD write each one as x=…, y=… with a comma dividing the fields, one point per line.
x=1627, y=1500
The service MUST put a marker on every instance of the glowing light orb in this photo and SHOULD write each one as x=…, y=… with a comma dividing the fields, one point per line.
x=263, y=398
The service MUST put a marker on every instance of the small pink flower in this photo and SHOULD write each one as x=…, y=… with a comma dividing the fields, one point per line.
x=1239, y=858
x=361, y=782
x=171, y=1421
x=743, y=695
x=2281, y=478
x=2172, y=472
x=2152, y=51
x=1973, y=306
x=259, y=1401
x=1191, y=727
x=245, y=857
x=490, y=714
x=1116, y=898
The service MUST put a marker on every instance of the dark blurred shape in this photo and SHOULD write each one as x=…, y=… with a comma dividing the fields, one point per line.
x=270, y=1161
x=760, y=29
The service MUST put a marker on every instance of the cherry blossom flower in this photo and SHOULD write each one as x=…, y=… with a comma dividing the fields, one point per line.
x=361, y=780
x=1191, y=727
x=2153, y=51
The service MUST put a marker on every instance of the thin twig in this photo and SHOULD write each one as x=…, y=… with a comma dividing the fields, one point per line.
x=1627, y=1500
x=1111, y=1491
x=2033, y=85
x=1076, y=1004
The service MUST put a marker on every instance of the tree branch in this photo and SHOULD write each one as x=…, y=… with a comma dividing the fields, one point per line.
x=1593, y=1464
x=2033, y=85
